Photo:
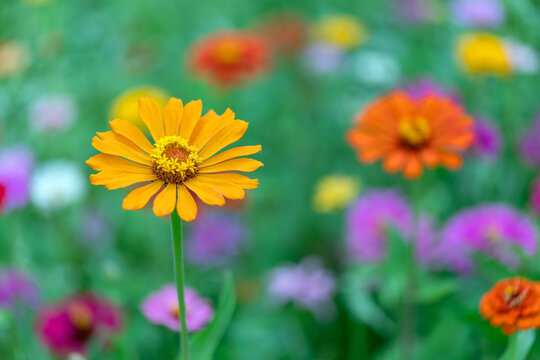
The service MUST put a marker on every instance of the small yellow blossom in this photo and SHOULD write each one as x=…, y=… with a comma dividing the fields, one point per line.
x=345, y=31
x=126, y=105
x=484, y=53
x=13, y=58
x=334, y=192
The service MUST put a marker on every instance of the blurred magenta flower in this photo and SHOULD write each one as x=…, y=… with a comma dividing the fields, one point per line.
x=214, y=237
x=480, y=13
x=368, y=220
x=535, y=196
x=529, y=145
x=15, y=170
x=487, y=138
x=161, y=307
x=492, y=229
x=15, y=288
x=424, y=87
x=69, y=327
x=307, y=284
x=322, y=57
x=52, y=113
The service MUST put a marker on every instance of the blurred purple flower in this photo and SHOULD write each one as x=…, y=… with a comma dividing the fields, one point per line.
x=15, y=169
x=535, y=196
x=427, y=243
x=52, y=113
x=424, y=87
x=95, y=227
x=368, y=219
x=414, y=11
x=321, y=57
x=530, y=144
x=488, y=140
x=70, y=326
x=214, y=237
x=15, y=288
x=491, y=229
x=161, y=307
x=484, y=13
x=307, y=284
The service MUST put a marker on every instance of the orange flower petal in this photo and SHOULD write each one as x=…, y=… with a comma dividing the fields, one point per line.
x=115, y=148
x=192, y=114
x=395, y=161
x=105, y=162
x=451, y=161
x=229, y=190
x=139, y=197
x=413, y=168
x=172, y=115
x=238, y=179
x=186, y=205
x=151, y=115
x=241, y=164
x=205, y=192
x=224, y=137
x=133, y=133
x=119, y=181
x=165, y=201
x=209, y=125
x=231, y=154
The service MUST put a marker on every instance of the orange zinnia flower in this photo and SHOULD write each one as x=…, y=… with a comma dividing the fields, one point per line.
x=513, y=304
x=409, y=135
x=230, y=58
x=181, y=161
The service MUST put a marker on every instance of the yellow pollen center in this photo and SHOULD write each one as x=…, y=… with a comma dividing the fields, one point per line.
x=414, y=131
x=175, y=310
x=80, y=315
x=513, y=295
x=175, y=161
x=228, y=52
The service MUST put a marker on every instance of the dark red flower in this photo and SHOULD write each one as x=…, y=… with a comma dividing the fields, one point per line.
x=69, y=326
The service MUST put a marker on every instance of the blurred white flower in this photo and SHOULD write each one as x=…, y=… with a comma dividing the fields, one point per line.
x=523, y=57
x=52, y=113
x=375, y=68
x=57, y=184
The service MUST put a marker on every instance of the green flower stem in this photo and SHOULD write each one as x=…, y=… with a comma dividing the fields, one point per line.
x=176, y=224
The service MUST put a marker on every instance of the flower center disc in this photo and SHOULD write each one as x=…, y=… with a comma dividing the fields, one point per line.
x=81, y=316
x=414, y=131
x=514, y=295
x=228, y=52
x=175, y=161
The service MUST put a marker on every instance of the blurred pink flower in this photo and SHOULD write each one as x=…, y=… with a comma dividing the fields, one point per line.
x=15, y=169
x=15, y=288
x=487, y=138
x=530, y=143
x=535, y=196
x=70, y=326
x=491, y=229
x=52, y=113
x=483, y=13
x=161, y=307
x=368, y=220
x=307, y=284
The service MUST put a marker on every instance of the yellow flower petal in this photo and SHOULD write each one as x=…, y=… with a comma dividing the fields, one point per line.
x=186, y=205
x=119, y=149
x=234, y=178
x=122, y=180
x=228, y=189
x=133, y=133
x=165, y=201
x=192, y=114
x=172, y=114
x=231, y=154
x=224, y=137
x=242, y=164
x=205, y=192
x=151, y=116
x=139, y=197
x=105, y=162
x=208, y=126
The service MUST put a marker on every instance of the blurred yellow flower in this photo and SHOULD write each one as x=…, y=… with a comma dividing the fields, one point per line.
x=126, y=105
x=484, y=53
x=13, y=58
x=334, y=192
x=345, y=31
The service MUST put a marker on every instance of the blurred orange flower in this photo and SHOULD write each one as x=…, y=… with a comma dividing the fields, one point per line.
x=286, y=32
x=230, y=58
x=182, y=160
x=408, y=135
x=513, y=304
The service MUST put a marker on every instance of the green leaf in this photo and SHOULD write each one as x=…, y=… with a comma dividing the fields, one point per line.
x=204, y=343
x=519, y=345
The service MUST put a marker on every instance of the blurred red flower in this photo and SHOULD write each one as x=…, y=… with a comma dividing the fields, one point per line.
x=287, y=33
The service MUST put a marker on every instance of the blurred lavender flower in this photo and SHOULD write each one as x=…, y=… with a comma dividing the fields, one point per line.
x=16, y=287
x=414, y=11
x=322, y=58
x=214, y=237
x=15, y=170
x=535, y=196
x=94, y=227
x=530, y=143
x=424, y=87
x=161, y=307
x=368, y=219
x=52, y=113
x=483, y=13
x=307, y=284
x=491, y=229
x=487, y=139
x=375, y=68
x=427, y=243
x=57, y=184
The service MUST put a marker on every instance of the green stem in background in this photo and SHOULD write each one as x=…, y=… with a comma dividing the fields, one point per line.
x=176, y=224
x=519, y=345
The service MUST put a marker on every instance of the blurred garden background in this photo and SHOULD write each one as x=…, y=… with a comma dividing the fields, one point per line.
x=331, y=257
